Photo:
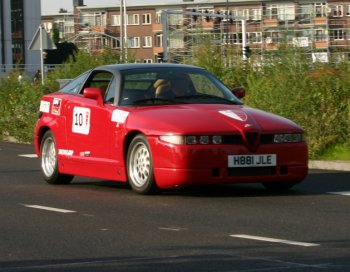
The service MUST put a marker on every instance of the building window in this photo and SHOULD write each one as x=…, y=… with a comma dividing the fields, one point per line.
x=246, y=14
x=159, y=17
x=115, y=43
x=320, y=9
x=255, y=14
x=226, y=38
x=134, y=42
x=272, y=37
x=147, y=41
x=147, y=61
x=175, y=19
x=159, y=40
x=337, y=11
x=255, y=37
x=337, y=34
x=177, y=40
x=281, y=12
x=17, y=27
x=94, y=19
x=69, y=29
x=234, y=12
x=272, y=12
x=320, y=35
x=237, y=38
x=146, y=19
x=115, y=20
x=347, y=10
x=133, y=19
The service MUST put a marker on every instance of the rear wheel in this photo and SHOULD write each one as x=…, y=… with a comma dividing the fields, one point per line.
x=140, y=166
x=49, y=161
x=279, y=186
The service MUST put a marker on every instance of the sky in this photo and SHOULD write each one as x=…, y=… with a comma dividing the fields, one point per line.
x=53, y=6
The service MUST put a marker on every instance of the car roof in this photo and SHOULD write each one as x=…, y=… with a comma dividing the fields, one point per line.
x=128, y=66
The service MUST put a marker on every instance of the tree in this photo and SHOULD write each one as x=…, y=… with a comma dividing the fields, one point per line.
x=63, y=52
x=55, y=34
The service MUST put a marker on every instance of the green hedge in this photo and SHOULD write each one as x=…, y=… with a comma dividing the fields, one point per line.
x=316, y=96
x=19, y=108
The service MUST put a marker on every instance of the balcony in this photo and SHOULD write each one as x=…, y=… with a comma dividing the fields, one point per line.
x=157, y=50
x=270, y=22
x=320, y=44
x=206, y=24
x=99, y=29
x=319, y=20
x=157, y=27
x=271, y=46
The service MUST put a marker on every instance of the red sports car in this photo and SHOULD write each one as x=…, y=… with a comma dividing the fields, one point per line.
x=164, y=126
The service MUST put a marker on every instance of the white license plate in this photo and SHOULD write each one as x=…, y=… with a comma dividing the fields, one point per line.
x=261, y=160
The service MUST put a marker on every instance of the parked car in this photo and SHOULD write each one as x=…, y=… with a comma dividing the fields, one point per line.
x=164, y=126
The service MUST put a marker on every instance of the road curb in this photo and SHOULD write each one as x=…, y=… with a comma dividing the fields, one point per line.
x=330, y=165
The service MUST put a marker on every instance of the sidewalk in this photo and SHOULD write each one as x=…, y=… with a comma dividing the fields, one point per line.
x=330, y=165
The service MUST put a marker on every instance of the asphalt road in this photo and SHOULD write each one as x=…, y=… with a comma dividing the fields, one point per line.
x=93, y=225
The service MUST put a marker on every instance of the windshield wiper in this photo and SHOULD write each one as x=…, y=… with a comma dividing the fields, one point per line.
x=154, y=100
x=207, y=97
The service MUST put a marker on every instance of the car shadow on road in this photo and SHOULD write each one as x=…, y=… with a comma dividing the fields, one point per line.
x=316, y=183
x=210, y=259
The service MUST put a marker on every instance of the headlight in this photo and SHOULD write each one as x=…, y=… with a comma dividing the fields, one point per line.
x=288, y=138
x=204, y=139
x=173, y=139
x=217, y=139
x=192, y=139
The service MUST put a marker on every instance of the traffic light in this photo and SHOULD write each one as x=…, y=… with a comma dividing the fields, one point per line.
x=194, y=17
x=218, y=19
x=160, y=57
x=230, y=20
x=247, y=51
x=207, y=18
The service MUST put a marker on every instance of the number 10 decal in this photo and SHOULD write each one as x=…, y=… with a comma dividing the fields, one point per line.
x=81, y=120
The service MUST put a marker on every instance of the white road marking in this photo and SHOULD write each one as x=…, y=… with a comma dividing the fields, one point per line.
x=28, y=155
x=345, y=193
x=171, y=229
x=48, y=208
x=273, y=240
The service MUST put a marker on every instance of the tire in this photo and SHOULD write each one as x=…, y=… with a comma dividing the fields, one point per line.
x=140, y=166
x=279, y=186
x=49, y=161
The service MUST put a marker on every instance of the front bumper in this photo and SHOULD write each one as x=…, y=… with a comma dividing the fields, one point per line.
x=184, y=165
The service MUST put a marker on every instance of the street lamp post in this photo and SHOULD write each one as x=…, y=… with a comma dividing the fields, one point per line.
x=123, y=31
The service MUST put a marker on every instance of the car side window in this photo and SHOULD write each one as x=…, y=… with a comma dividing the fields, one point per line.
x=110, y=93
x=74, y=86
x=100, y=80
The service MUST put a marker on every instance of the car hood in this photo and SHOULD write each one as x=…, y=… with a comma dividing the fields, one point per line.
x=196, y=119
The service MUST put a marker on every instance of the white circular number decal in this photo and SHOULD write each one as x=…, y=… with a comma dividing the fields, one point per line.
x=81, y=120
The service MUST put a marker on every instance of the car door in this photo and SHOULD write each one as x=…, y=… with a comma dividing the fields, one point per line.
x=89, y=127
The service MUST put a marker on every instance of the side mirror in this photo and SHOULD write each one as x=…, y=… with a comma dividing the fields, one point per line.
x=239, y=92
x=94, y=93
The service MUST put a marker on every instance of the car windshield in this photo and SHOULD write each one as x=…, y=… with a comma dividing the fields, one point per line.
x=175, y=85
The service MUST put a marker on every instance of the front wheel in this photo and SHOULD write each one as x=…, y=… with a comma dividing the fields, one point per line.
x=49, y=161
x=140, y=166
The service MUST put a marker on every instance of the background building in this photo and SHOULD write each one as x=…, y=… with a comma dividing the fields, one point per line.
x=19, y=19
x=319, y=27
